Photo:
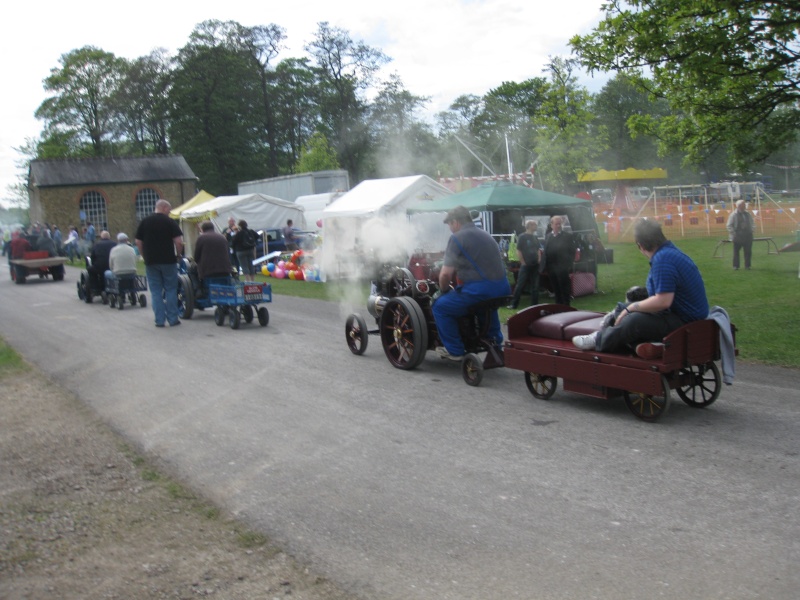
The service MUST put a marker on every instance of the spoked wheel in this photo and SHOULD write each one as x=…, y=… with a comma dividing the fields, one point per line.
x=142, y=300
x=541, y=386
x=263, y=316
x=356, y=334
x=404, y=333
x=247, y=313
x=703, y=387
x=472, y=369
x=235, y=318
x=219, y=316
x=185, y=297
x=401, y=283
x=646, y=406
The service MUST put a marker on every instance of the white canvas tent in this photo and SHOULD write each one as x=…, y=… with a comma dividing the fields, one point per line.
x=259, y=210
x=370, y=223
x=313, y=205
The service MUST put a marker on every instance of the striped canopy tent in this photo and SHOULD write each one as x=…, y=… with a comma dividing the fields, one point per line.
x=202, y=196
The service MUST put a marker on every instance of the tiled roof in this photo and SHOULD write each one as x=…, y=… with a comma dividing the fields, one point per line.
x=95, y=171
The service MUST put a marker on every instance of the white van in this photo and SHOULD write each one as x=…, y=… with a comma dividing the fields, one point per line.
x=639, y=193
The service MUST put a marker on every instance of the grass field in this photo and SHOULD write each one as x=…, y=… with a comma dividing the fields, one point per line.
x=764, y=303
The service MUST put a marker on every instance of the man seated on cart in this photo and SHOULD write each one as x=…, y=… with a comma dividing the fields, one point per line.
x=677, y=295
x=474, y=258
x=99, y=259
x=211, y=255
x=122, y=263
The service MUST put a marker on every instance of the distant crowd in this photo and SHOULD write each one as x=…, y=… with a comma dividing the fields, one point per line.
x=50, y=239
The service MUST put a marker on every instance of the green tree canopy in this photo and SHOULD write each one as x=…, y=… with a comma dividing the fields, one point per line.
x=317, y=155
x=728, y=68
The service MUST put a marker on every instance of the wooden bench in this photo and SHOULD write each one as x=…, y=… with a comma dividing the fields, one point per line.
x=719, y=249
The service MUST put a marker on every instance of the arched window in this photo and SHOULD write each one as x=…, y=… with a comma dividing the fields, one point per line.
x=146, y=199
x=93, y=210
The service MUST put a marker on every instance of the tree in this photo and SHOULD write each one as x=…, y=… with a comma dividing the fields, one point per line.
x=318, y=155
x=403, y=142
x=215, y=121
x=563, y=138
x=140, y=104
x=297, y=108
x=81, y=104
x=728, y=68
x=345, y=69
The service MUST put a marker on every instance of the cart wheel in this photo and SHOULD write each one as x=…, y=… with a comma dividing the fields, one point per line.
x=81, y=295
x=132, y=298
x=235, y=318
x=21, y=273
x=646, y=406
x=57, y=272
x=112, y=301
x=185, y=297
x=356, y=334
x=472, y=369
x=121, y=301
x=104, y=297
x=541, y=386
x=247, y=313
x=401, y=283
x=142, y=300
x=703, y=385
x=219, y=316
x=263, y=316
x=404, y=333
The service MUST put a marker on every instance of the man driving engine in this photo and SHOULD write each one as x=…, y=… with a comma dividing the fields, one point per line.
x=474, y=258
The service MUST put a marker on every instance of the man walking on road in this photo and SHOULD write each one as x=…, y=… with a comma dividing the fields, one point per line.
x=160, y=242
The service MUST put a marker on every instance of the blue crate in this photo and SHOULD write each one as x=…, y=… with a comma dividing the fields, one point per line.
x=238, y=293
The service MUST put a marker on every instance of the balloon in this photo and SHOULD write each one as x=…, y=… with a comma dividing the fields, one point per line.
x=298, y=275
x=271, y=267
x=319, y=223
x=279, y=273
x=264, y=270
x=291, y=275
x=281, y=263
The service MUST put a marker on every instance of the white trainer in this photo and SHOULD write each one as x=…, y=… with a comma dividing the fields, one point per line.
x=586, y=342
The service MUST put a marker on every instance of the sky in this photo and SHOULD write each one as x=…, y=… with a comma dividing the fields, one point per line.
x=440, y=48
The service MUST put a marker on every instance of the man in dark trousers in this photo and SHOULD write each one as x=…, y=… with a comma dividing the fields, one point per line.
x=160, y=242
x=99, y=257
x=740, y=229
x=559, y=256
x=528, y=250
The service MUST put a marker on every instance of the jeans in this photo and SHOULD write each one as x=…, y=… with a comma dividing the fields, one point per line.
x=527, y=274
x=163, y=282
x=246, y=258
x=456, y=303
x=636, y=328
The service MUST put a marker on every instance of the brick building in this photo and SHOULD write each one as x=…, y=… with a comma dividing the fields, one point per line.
x=112, y=193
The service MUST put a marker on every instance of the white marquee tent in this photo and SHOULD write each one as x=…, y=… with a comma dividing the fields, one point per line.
x=259, y=210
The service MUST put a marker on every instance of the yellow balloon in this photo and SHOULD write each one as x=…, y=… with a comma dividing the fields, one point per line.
x=265, y=270
x=291, y=275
